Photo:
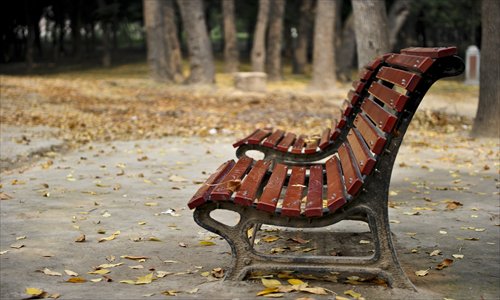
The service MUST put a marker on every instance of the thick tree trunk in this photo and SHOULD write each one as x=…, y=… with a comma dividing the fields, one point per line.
x=275, y=40
x=347, y=50
x=230, y=39
x=153, y=20
x=200, y=49
x=323, y=75
x=370, y=25
x=487, y=121
x=106, y=43
x=398, y=13
x=258, y=55
x=174, y=55
x=303, y=38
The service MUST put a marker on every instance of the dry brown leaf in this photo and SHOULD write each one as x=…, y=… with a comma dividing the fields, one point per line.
x=146, y=279
x=314, y=290
x=4, y=196
x=217, y=272
x=452, y=205
x=299, y=240
x=76, y=280
x=422, y=272
x=270, y=283
x=99, y=272
x=233, y=185
x=110, y=238
x=445, y=263
x=80, y=239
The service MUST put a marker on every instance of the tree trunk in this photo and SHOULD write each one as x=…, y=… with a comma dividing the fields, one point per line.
x=230, y=38
x=487, y=122
x=347, y=50
x=155, y=40
x=370, y=25
x=202, y=69
x=106, y=28
x=76, y=24
x=275, y=40
x=398, y=13
x=303, y=38
x=174, y=55
x=323, y=75
x=258, y=55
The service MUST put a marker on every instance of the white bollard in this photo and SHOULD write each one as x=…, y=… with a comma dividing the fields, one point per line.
x=472, y=60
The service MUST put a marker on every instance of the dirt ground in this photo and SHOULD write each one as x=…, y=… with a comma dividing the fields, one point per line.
x=127, y=195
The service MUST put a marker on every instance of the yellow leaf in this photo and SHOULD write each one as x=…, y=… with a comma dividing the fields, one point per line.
x=341, y=298
x=127, y=281
x=352, y=294
x=277, y=295
x=161, y=274
x=76, y=280
x=267, y=291
x=99, y=272
x=154, y=239
x=207, y=243
x=145, y=279
x=459, y=256
x=170, y=293
x=70, y=273
x=270, y=283
x=132, y=257
x=105, y=266
x=34, y=292
x=142, y=223
x=205, y=274
x=315, y=290
x=295, y=281
x=270, y=239
x=151, y=203
x=110, y=238
x=422, y=272
x=47, y=271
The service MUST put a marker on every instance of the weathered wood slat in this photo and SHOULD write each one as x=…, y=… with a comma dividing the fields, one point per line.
x=384, y=119
x=389, y=96
x=311, y=146
x=352, y=176
x=257, y=137
x=222, y=192
x=299, y=144
x=248, y=190
x=314, y=203
x=372, y=136
x=362, y=155
x=325, y=138
x=204, y=191
x=286, y=142
x=416, y=63
x=293, y=195
x=335, y=194
x=437, y=52
x=400, y=78
x=272, y=190
x=273, y=139
x=244, y=140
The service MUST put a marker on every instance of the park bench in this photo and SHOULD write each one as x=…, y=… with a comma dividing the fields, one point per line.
x=352, y=184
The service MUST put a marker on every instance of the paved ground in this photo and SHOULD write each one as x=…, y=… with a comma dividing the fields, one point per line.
x=141, y=188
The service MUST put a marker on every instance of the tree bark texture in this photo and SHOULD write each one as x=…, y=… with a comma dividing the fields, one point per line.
x=370, y=25
x=230, y=38
x=398, y=13
x=258, y=55
x=487, y=121
x=304, y=33
x=174, y=54
x=323, y=75
x=347, y=50
x=275, y=40
x=106, y=37
x=202, y=69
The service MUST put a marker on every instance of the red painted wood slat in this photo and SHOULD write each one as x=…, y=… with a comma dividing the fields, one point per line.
x=311, y=146
x=389, y=96
x=222, y=192
x=272, y=190
x=384, y=119
x=335, y=187
x=347, y=108
x=362, y=155
x=342, y=123
x=299, y=144
x=353, y=97
x=365, y=74
x=293, y=195
x=286, y=142
x=325, y=139
x=258, y=136
x=204, y=191
x=314, y=203
x=401, y=78
x=352, y=177
x=249, y=186
x=273, y=139
x=358, y=86
x=244, y=140
x=372, y=136
x=374, y=64
x=416, y=63
x=436, y=52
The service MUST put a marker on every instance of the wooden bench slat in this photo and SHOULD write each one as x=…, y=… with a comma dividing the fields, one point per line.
x=244, y=140
x=286, y=142
x=249, y=186
x=384, y=119
x=436, y=52
x=311, y=146
x=347, y=108
x=372, y=136
x=293, y=195
x=272, y=190
x=342, y=122
x=299, y=144
x=222, y=192
x=416, y=63
x=353, y=97
x=257, y=137
x=314, y=203
x=273, y=139
x=362, y=155
x=365, y=74
x=400, y=78
x=375, y=63
x=204, y=191
x=352, y=176
x=335, y=187
x=358, y=86
x=325, y=138
x=389, y=96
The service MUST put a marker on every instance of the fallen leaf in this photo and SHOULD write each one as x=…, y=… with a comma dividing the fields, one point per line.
x=422, y=272
x=207, y=243
x=20, y=238
x=96, y=280
x=270, y=238
x=175, y=178
x=35, y=292
x=110, y=238
x=137, y=267
x=299, y=240
x=352, y=294
x=76, y=280
x=364, y=242
x=47, y=271
x=17, y=246
x=151, y=203
x=267, y=291
x=445, y=263
x=233, y=185
x=4, y=196
x=80, y=239
x=146, y=279
x=217, y=272
x=452, y=205
x=70, y=273
x=106, y=266
x=99, y=272
x=459, y=256
x=182, y=245
x=275, y=295
x=3, y=252
x=132, y=257
x=193, y=291
x=161, y=274
x=169, y=293
x=127, y=281
x=270, y=283
x=154, y=239
x=435, y=253
x=317, y=291
x=294, y=281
